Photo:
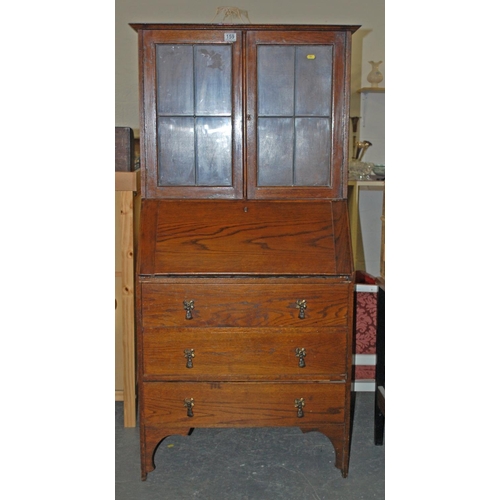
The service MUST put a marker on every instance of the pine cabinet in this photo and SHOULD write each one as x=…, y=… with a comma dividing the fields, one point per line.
x=245, y=278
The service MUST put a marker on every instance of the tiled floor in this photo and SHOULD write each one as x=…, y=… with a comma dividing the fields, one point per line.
x=252, y=464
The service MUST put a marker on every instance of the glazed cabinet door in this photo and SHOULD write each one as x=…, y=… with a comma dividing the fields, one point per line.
x=297, y=104
x=192, y=113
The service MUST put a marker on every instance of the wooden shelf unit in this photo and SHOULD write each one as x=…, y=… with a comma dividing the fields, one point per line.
x=127, y=184
x=354, y=187
x=379, y=90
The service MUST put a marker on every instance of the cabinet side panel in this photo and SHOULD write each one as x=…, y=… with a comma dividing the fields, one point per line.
x=147, y=240
x=342, y=238
x=341, y=113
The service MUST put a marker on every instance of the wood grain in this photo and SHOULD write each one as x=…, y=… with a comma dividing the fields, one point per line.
x=243, y=404
x=255, y=305
x=214, y=237
x=245, y=354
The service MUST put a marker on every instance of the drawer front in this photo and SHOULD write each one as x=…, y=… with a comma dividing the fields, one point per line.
x=208, y=305
x=226, y=404
x=245, y=354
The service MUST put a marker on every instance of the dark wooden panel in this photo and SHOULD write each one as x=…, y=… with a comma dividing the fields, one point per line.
x=147, y=241
x=242, y=27
x=124, y=149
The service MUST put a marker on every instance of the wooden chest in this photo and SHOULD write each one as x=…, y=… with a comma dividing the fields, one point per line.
x=124, y=149
x=245, y=278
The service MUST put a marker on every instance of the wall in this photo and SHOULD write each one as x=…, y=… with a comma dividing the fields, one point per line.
x=368, y=41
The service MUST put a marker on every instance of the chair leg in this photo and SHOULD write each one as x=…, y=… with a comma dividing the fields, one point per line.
x=379, y=424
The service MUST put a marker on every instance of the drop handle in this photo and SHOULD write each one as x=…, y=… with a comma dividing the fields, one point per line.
x=301, y=305
x=299, y=404
x=189, y=403
x=300, y=352
x=189, y=306
x=189, y=355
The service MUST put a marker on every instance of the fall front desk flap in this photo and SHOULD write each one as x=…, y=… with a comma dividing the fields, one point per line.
x=247, y=238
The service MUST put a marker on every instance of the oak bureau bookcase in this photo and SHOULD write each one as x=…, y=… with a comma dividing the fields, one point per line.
x=245, y=278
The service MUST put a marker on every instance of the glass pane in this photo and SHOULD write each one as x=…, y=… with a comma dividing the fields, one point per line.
x=275, y=151
x=176, y=166
x=213, y=151
x=312, y=152
x=314, y=80
x=213, y=79
x=174, y=65
x=275, y=70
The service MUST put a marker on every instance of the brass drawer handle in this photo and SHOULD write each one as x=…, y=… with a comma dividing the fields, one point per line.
x=301, y=306
x=300, y=352
x=189, y=306
x=299, y=404
x=189, y=355
x=189, y=403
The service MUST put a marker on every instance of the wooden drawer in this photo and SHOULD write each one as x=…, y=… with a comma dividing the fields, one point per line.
x=226, y=404
x=244, y=354
x=244, y=305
